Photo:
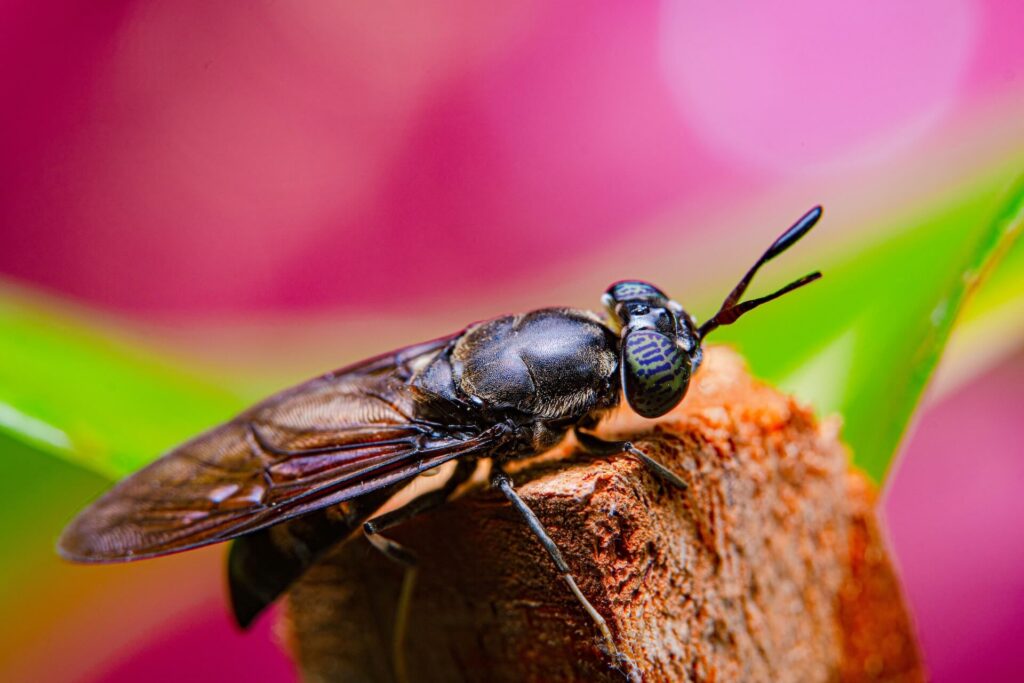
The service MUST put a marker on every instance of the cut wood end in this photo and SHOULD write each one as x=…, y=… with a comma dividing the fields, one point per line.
x=768, y=567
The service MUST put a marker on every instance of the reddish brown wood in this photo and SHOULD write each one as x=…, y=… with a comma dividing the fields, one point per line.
x=768, y=568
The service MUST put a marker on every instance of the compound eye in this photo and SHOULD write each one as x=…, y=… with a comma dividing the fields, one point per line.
x=655, y=372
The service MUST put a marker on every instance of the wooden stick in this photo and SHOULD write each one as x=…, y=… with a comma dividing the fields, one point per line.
x=768, y=567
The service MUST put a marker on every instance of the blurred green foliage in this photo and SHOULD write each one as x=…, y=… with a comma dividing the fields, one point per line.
x=40, y=494
x=864, y=341
x=75, y=392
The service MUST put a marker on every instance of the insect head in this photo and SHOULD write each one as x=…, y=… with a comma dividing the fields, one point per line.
x=660, y=345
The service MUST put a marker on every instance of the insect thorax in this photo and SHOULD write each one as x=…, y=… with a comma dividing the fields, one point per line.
x=552, y=365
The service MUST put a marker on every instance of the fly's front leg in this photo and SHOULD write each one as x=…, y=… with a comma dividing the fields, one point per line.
x=595, y=445
x=502, y=481
x=407, y=558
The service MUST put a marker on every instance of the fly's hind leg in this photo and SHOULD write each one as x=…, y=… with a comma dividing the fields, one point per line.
x=405, y=557
x=595, y=445
x=501, y=480
x=408, y=560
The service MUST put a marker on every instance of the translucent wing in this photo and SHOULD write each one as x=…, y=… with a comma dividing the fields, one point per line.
x=336, y=437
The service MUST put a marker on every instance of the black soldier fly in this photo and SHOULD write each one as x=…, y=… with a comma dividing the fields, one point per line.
x=299, y=472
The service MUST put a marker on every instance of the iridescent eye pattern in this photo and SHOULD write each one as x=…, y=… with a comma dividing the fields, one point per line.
x=655, y=372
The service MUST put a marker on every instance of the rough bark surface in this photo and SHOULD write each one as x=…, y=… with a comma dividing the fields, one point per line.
x=768, y=567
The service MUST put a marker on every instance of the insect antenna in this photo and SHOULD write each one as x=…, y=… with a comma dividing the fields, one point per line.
x=730, y=309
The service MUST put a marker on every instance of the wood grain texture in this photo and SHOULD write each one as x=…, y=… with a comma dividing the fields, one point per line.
x=769, y=567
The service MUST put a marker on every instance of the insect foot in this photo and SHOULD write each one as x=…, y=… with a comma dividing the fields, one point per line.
x=767, y=567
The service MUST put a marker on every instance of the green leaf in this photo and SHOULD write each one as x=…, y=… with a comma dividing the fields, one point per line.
x=992, y=324
x=75, y=393
x=864, y=342
x=40, y=495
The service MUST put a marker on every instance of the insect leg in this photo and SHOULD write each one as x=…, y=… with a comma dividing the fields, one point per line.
x=410, y=563
x=501, y=480
x=427, y=501
x=263, y=564
x=407, y=558
x=595, y=445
